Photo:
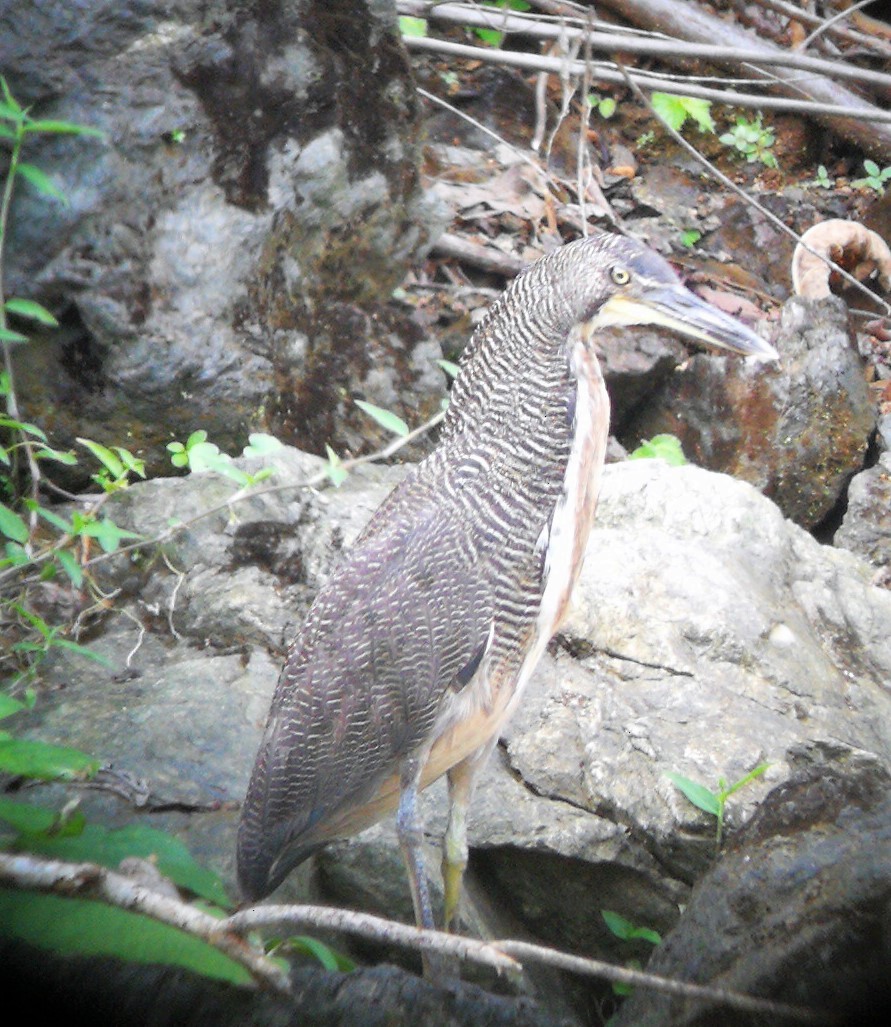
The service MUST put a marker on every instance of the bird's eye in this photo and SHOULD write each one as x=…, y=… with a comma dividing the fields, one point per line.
x=620, y=275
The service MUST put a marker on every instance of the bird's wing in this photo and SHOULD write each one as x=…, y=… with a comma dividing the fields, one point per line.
x=403, y=623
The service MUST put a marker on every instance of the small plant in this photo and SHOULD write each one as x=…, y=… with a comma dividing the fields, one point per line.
x=675, y=111
x=823, y=181
x=492, y=37
x=711, y=802
x=690, y=237
x=198, y=454
x=752, y=140
x=412, y=26
x=661, y=447
x=604, y=105
x=627, y=931
x=875, y=178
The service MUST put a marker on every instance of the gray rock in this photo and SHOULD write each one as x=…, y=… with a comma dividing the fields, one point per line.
x=230, y=247
x=708, y=634
x=797, y=430
x=797, y=909
x=866, y=527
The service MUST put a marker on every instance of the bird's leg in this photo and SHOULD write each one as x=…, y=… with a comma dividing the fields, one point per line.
x=462, y=780
x=410, y=833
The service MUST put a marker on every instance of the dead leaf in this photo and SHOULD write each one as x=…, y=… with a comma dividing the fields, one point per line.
x=847, y=243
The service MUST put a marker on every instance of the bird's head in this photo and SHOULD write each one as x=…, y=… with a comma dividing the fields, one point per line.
x=621, y=282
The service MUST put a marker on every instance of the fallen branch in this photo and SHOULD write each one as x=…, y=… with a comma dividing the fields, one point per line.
x=691, y=34
x=689, y=22
x=87, y=880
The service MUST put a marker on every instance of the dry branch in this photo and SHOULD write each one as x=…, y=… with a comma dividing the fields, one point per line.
x=804, y=84
x=87, y=880
x=690, y=23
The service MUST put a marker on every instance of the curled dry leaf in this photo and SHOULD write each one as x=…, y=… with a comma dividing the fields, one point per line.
x=847, y=243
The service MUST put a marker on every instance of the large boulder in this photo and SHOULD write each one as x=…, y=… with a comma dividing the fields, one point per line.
x=797, y=430
x=708, y=634
x=229, y=250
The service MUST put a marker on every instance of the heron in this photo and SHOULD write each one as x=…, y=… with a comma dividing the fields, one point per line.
x=418, y=647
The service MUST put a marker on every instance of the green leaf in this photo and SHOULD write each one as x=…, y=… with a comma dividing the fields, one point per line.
x=261, y=444
x=41, y=181
x=450, y=368
x=743, y=781
x=99, y=844
x=617, y=924
x=81, y=927
x=36, y=820
x=670, y=109
x=11, y=101
x=8, y=335
x=31, y=309
x=325, y=955
x=81, y=650
x=16, y=555
x=661, y=447
x=489, y=36
x=71, y=567
x=23, y=426
x=333, y=469
x=675, y=110
x=701, y=797
x=385, y=418
x=25, y=758
x=105, y=456
x=8, y=705
x=107, y=533
x=11, y=525
x=66, y=527
x=64, y=128
x=413, y=26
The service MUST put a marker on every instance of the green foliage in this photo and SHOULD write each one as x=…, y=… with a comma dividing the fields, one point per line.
x=40, y=831
x=25, y=553
x=117, y=465
x=38, y=760
x=627, y=931
x=334, y=468
x=82, y=927
x=200, y=455
x=385, y=418
x=450, y=368
x=823, y=180
x=413, y=26
x=492, y=37
x=690, y=237
x=711, y=802
x=875, y=177
x=661, y=447
x=318, y=950
x=605, y=105
x=752, y=140
x=676, y=111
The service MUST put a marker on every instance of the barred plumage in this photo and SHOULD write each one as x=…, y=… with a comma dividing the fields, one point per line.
x=418, y=647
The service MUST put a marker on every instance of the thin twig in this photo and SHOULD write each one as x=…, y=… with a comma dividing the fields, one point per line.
x=92, y=881
x=607, y=72
x=638, y=42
